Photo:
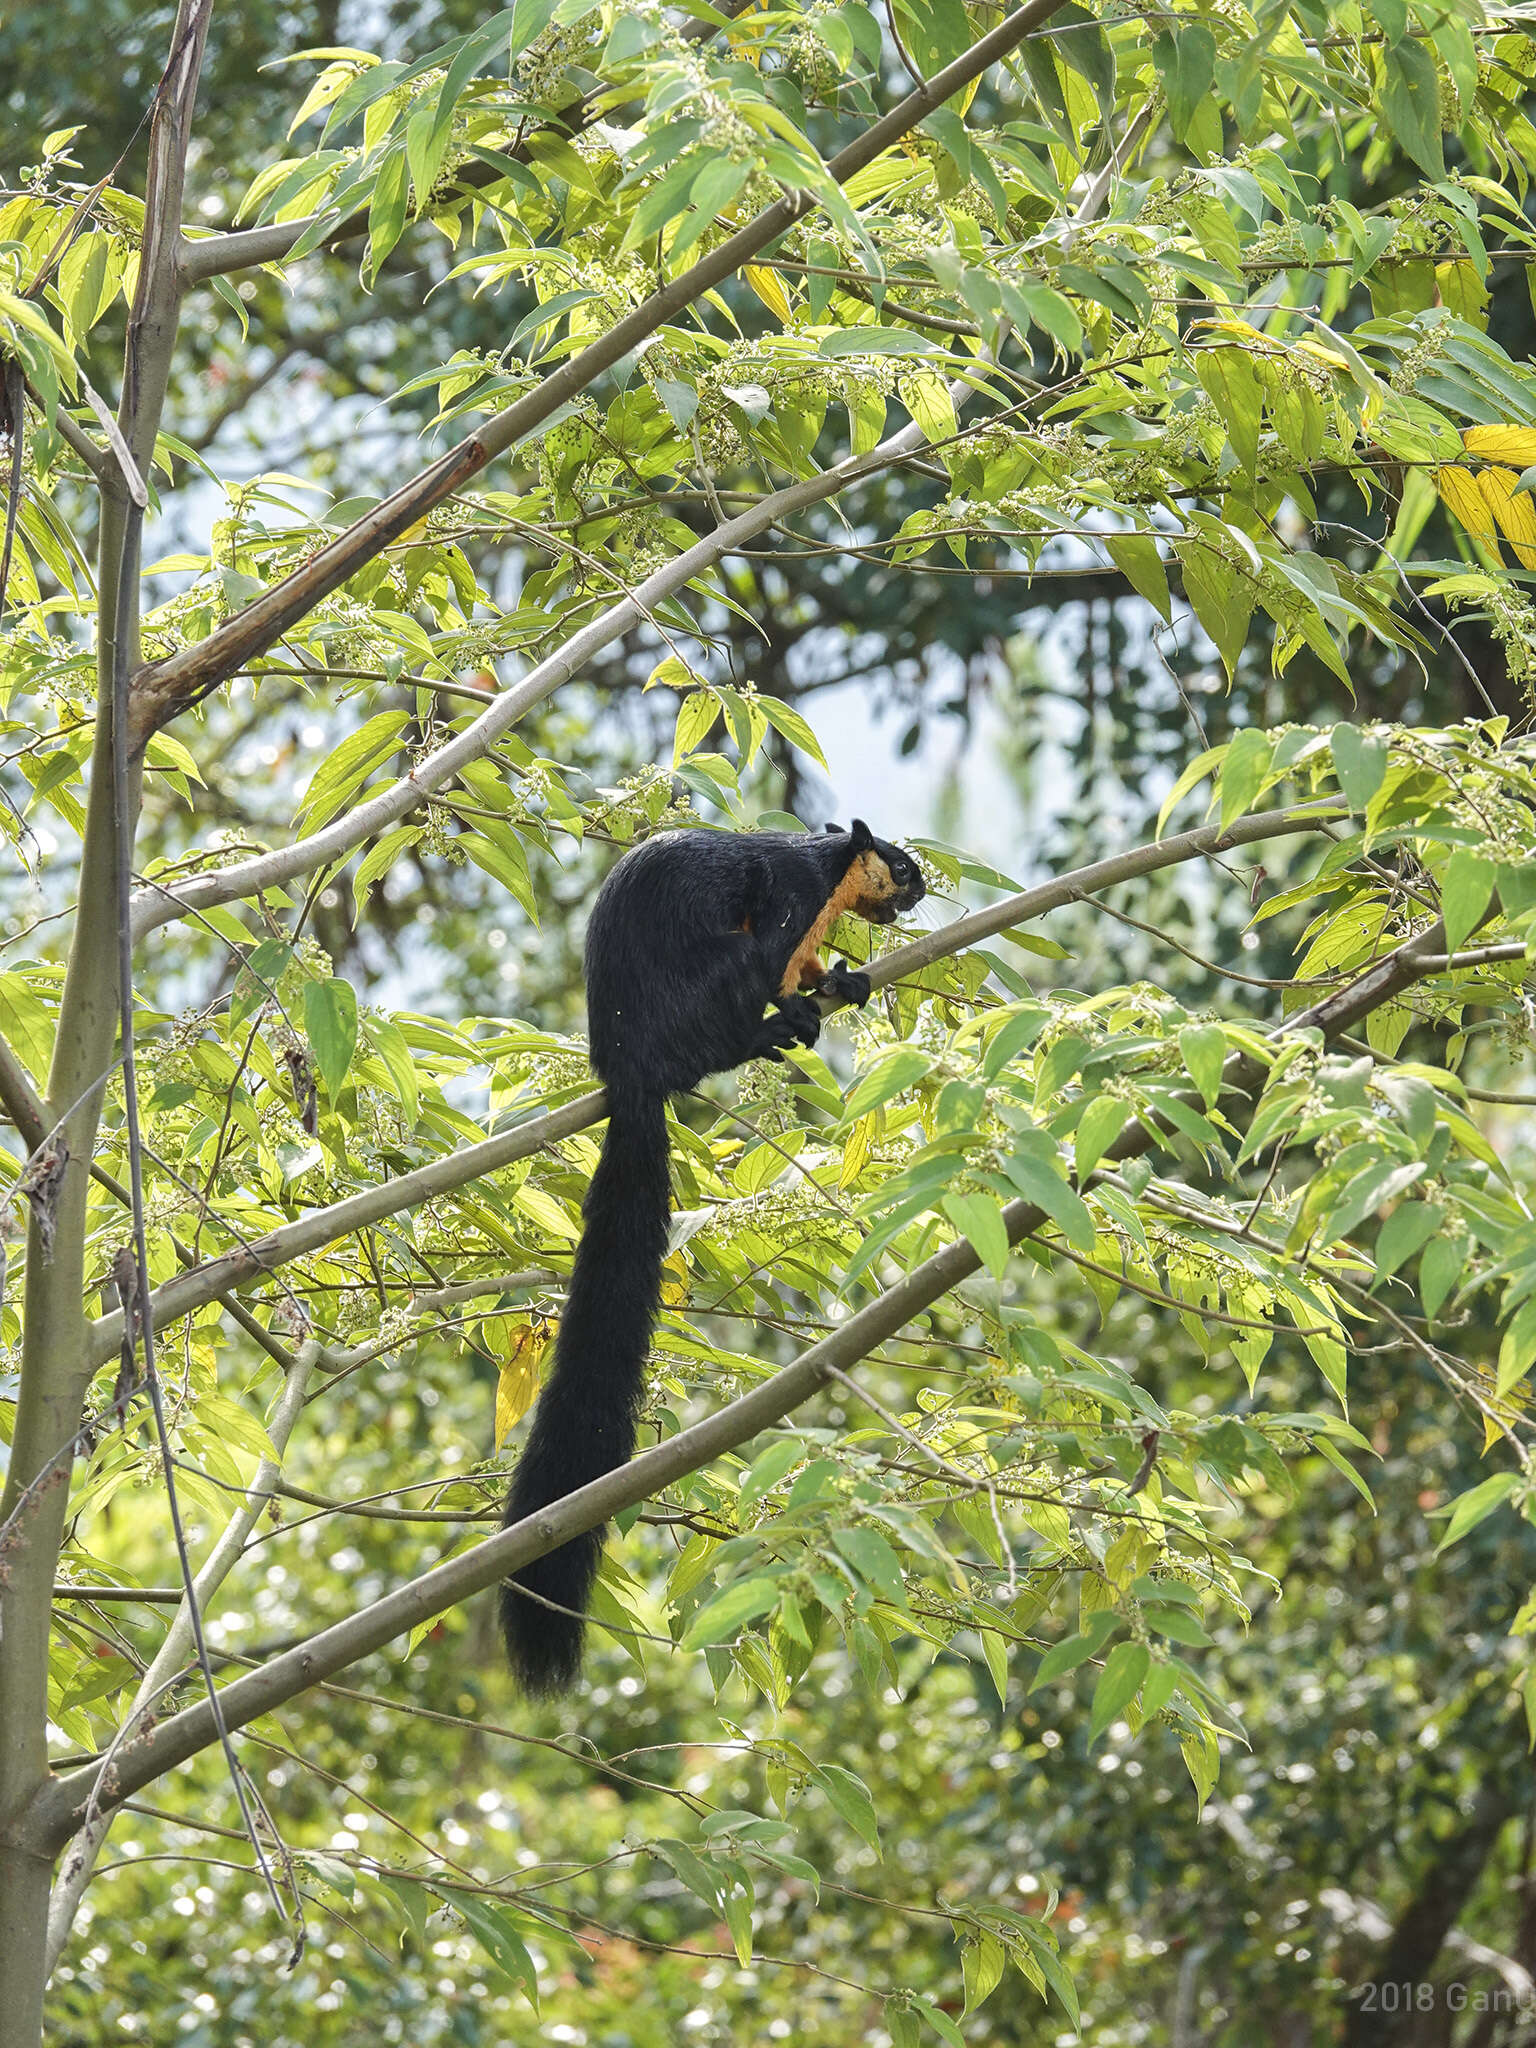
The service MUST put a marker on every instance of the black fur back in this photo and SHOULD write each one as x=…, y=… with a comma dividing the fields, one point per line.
x=689, y=941
x=585, y=1422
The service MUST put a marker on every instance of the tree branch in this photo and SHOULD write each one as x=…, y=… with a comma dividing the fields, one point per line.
x=1428, y=1918
x=191, y=1290
x=224, y=254
x=166, y=688
x=169, y=1658
x=54, y=1374
x=57, y=1810
x=158, y=905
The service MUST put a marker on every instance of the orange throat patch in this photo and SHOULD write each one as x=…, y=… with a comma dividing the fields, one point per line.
x=867, y=885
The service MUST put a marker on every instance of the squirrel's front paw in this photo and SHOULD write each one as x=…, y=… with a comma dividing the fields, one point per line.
x=800, y=1016
x=844, y=984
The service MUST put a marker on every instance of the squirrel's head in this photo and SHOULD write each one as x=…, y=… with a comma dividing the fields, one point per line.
x=881, y=881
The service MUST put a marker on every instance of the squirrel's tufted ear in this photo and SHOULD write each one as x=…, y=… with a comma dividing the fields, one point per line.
x=835, y=830
x=861, y=837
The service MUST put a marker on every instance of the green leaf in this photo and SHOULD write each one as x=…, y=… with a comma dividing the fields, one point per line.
x=934, y=32
x=330, y=1025
x=851, y=1801
x=492, y=1927
x=940, y=2021
x=785, y=719
x=700, y=1879
x=1054, y=1971
x=1013, y=1036
x=1391, y=17
x=411, y=1896
x=1337, y=1459
x=426, y=140
x=1196, y=771
x=1359, y=763
x=1177, y=1623
x=380, y=858
x=873, y=1559
x=1102, y=1122
x=768, y=1469
x=722, y=1619
x=1186, y=62
x=1230, y=381
x=1139, y=560
x=1332, y=1361
x=1466, y=889
x=1410, y=103
x=1477, y=1504
x=1406, y=1230
x=1202, y=1759
x=736, y=1909
x=901, y=2023
x=1032, y=304
x=898, y=1070
x=344, y=772
x=1439, y=1270
x=1060, y=1063
x=386, y=212
x=1517, y=887
x=258, y=977
x=541, y=1208
x=388, y=1041
x=1222, y=598
x=995, y=1651
x=1517, y=1351
x=1066, y=1655
x=1243, y=772
x=1125, y=1668
x=982, y=1962
x=1203, y=1049
x=681, y=402
x=1033, y=1169
x=926, y=397
x=1366, y=1192
x=696, y=716
x=980, y=1219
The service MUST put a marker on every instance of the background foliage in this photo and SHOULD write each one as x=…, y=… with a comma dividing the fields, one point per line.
x=1094, y=1630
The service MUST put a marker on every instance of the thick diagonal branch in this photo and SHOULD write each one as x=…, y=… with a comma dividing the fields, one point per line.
x=157, y=906
x=168, y=687
x=320, y=1227
x=58, y=1809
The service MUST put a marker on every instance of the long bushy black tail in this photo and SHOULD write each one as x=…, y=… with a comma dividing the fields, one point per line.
x=585, y=1422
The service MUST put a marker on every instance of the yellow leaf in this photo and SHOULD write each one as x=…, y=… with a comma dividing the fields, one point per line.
x=1516, y=516
x=769, y=289
x=1502, y=444
x=1329, y=356
x=521, y=1344
x=674, y=1280
x=855, y=1151
x=1240, y=330
x=1458, y=489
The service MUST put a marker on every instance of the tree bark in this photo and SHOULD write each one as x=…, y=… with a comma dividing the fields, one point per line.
x=1384, y=2011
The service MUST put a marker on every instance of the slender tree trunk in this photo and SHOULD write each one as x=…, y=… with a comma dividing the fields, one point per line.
x=54, y=1376
x=56, y=1367
x=1414, y=1946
